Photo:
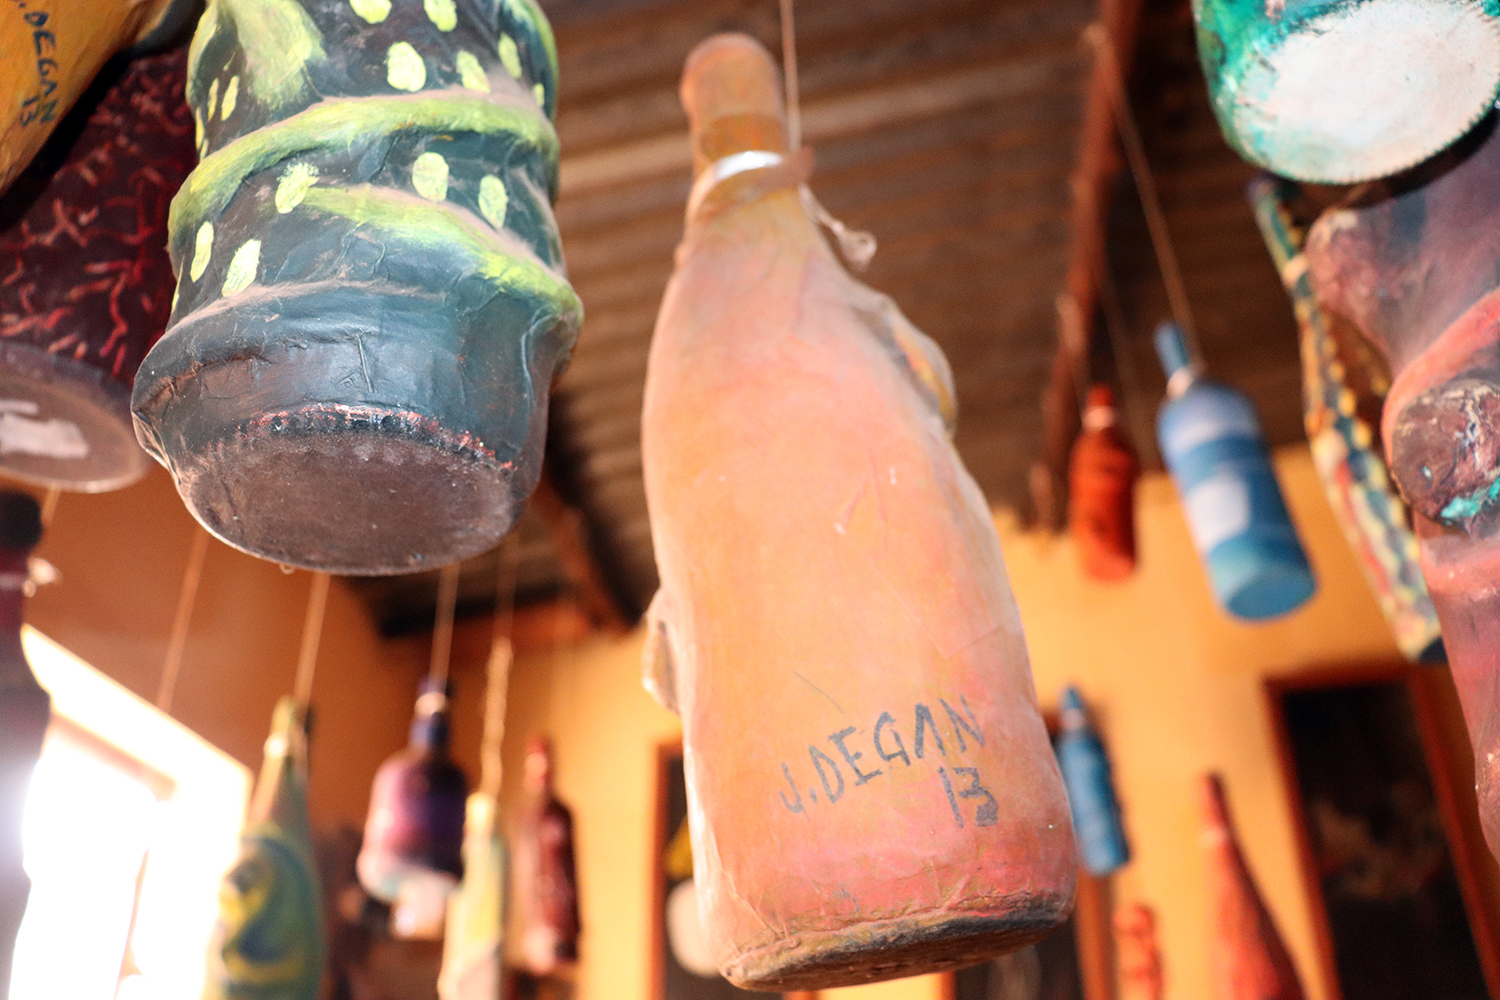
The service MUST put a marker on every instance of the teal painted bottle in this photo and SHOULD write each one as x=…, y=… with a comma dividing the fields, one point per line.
x=1091, y=790
x=1212, y=444
x=1339, y=91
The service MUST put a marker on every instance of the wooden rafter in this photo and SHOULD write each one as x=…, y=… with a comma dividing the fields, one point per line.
x=1092, y=186
x=569, y=532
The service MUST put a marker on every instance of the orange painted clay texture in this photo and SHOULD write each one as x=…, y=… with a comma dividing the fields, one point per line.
x=830, y=569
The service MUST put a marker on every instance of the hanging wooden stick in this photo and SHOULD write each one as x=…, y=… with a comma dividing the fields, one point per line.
x=187, y=598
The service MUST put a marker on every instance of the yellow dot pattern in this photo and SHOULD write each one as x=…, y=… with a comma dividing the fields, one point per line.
x=203, y=248
x=470, y=73
x=293, y=186
x=510, y=56
x=213, y=99
x=231, y=97
x=243, y=267
x=373, y=11
x=540, y=93
x=429, y=175
x=441, y=13
x=493, y=200
x=404, y=68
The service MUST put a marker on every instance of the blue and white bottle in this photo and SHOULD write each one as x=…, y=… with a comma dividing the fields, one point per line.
x=1213, y=446
x=1091, y=790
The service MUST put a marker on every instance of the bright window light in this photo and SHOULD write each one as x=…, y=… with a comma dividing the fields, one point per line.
x=120, y=785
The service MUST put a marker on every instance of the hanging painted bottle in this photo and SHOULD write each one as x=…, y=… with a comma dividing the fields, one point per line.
x=1212, y=444
x=1091, y=790
x=1102, y=471
x=1247, y=958
x=544, y=882
x=871, y=789
x=270, y=941
x=88, y=284
x=25, y=710
x=474, y=934
x=1339, y=91
x=50, y=50
x=412, y=856
x=371, y=294
x=1344, y=444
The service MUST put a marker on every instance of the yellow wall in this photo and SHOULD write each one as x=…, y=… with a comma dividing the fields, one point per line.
x=121, y=557
x=1176, y=684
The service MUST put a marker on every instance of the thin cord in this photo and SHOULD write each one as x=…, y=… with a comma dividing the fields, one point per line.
x=186, y=598
x=49, y=504
x=497, y=671
x=855, y=245
x=789, y=70
x=312, y=636
x=442, y=632
x=1145, y=185
x=1117, y=327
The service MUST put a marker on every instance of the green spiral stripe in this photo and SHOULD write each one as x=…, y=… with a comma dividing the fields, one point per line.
x=440, y=228
x=341, y=124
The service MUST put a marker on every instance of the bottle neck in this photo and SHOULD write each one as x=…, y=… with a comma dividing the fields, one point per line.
x=431, y=732
x=1183, y=379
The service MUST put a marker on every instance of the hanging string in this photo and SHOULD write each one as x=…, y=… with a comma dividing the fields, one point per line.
x=442, y=631
x=49, y=504
x=1117, y=327
x=497, y=672
x=312, y=637
x=1145, y=185
x=789, y=70
x=856, y=246
x=187, y=597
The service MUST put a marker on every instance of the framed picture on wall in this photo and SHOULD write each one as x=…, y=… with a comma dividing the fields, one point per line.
x=682, y=968
x=1386, y=834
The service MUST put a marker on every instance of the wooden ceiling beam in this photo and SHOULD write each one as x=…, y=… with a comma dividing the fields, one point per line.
x=1092, y=185
x=865, y=110
x=570, y=541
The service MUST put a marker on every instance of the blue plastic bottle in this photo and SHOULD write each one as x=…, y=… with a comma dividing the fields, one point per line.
x=1091, y=790
x=1212, y=444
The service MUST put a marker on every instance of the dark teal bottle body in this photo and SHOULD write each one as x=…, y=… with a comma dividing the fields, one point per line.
x=1086, y=774
x=1212, y=444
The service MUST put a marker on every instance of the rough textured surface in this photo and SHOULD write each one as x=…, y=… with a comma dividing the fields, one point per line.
x=870, y=786
x=371, y=297
x=1412, y=264
x=85, y=282
x=269, y=943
